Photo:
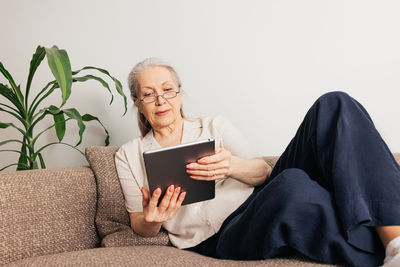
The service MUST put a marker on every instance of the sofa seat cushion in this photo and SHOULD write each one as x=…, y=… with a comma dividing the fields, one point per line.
x=149, y=256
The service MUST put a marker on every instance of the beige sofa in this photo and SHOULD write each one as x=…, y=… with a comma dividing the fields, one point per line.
x=76, y=216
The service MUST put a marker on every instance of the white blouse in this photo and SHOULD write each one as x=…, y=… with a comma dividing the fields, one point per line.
x=193, y=223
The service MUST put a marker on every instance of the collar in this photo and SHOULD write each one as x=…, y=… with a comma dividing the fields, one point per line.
x=190, y=133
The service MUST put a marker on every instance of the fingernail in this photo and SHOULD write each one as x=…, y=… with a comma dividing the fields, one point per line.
x=177, y=189
x=171, y=188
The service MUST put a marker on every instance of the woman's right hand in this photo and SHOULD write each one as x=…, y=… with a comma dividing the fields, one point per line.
x=168, y=207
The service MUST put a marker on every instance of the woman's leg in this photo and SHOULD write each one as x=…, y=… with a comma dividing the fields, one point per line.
x=292, y=213
x=339, y=147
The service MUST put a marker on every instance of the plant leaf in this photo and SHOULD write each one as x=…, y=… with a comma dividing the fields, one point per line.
x=52, y=110
x=57, y=143
x=74, y=114
x=25, y=168
x=44, y=112
x=92, y=77
x=35, y=62
x=22, y=158
x=61, y=68
x=16, y=89
x=88, y=117
x=118, y=85
x=35, y=104
x=14, y=114
x=10, y=141
x=9, y=94
x=59, y=122
x=4, y=125
x=11, y=108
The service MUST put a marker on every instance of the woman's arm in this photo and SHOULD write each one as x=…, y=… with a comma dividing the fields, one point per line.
x=253, y=171
x=148, y=222
x=143, y=228
x=222, y=164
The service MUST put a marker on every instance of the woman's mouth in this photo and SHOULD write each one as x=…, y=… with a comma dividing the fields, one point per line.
x=162, y=113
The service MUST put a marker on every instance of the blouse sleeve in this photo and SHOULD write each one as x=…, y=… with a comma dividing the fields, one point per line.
x=130, y=186
x=232, y=139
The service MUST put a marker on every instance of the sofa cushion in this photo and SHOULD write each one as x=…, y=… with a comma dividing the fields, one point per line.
x=397, y=157
x=151, y=256
x=271, y=160
x=46, y=211
x=112, y=218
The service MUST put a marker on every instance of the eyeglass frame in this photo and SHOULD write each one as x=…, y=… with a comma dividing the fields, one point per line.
x=162, y=95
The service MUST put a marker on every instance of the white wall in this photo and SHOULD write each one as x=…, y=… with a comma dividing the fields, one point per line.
x=261, y=64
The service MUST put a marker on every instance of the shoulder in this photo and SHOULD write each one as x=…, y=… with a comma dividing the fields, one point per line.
x=131, y=143
x=217, y=122
x=129, y=147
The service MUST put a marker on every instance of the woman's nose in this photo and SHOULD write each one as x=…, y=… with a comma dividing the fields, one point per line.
x=160, y=100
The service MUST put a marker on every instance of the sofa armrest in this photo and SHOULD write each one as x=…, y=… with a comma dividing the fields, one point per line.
x=46, y=212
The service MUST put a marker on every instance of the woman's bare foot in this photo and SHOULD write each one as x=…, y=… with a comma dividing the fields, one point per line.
x=388, y=233
x=390, y=236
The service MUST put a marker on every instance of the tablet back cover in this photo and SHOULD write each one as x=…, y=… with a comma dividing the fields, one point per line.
x=167, y=166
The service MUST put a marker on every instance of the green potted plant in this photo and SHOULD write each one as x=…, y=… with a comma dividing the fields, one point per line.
x=17, y=104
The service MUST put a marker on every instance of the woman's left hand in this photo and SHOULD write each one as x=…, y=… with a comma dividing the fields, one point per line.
x=217, y=166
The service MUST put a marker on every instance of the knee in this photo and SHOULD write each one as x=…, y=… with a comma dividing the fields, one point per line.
x=333, y=105
x=335, y=97
x=292, y=191
x=291, y=174
x=291, y=182
x=295, y=190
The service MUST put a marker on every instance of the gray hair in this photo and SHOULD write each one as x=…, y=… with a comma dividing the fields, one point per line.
x=133, y=83
x=134, y=86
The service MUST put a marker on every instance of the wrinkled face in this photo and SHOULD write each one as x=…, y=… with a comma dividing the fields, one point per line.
x=156, y=81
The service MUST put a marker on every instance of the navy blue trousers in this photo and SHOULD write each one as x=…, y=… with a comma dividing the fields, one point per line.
x=334, y=182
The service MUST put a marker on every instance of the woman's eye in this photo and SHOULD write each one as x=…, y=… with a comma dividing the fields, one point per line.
x=148, y=94
x=168, y=89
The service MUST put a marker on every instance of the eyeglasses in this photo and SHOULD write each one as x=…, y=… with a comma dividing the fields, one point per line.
x=151, y=97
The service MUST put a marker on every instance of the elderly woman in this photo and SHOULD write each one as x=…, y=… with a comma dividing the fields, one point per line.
x=333, y=195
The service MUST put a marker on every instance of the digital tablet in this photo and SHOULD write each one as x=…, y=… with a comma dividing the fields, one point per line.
x=167, y=166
